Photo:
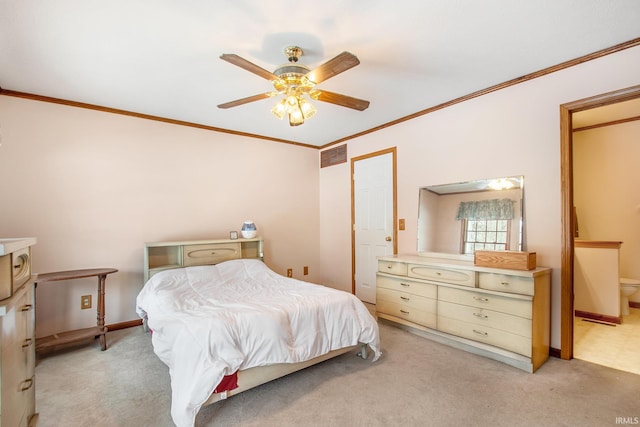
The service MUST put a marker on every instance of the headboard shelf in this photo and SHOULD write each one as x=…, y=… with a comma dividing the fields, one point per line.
x=160, y=256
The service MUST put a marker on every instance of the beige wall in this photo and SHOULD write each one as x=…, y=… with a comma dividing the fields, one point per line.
x=606, y=196
x=92, y=187
x=514, y=131
x=96, y=186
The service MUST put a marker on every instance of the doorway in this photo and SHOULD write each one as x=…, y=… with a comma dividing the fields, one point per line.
x=373, y=218
x=567, y=212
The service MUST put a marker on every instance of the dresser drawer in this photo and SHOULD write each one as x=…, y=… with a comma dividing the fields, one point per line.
x=456, y=277
x=18, y=360
x=506, y=283
x=403, y=285
x=425, y=316
x=484, y=317
x=503, y=304
x=410, y=300
x=210, y=254
x=392, y=267
x=508, y=341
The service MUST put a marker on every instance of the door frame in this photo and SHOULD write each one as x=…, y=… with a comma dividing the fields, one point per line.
x=567, y=217
x=391, y=150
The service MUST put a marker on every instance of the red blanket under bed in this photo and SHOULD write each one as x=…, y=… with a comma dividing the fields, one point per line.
x=228, y=382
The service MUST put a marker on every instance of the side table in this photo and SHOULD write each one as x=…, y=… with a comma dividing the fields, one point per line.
x=78, y=334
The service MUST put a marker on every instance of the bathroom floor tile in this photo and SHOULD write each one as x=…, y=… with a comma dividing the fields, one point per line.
x=616, y=346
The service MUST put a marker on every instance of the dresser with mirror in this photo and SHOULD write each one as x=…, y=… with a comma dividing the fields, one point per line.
x=441, y=294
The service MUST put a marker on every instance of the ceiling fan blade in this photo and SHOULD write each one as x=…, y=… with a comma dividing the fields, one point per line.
x=249, y=66
x=245, y=100
x=333, y=67
x=342, y=100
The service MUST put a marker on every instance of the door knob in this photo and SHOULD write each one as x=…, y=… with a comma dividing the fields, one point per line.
x=388, y=238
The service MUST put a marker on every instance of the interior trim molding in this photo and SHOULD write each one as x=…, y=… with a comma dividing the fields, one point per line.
x=567, y=217
x=69, y=103
x=512, y=82
x=517, y=80
x=600, y=244
x=611, y=123
x=599, y=317
x=124, y=325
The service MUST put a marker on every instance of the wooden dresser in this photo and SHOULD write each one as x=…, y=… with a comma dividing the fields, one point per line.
x=498, y=313
x=17, y=334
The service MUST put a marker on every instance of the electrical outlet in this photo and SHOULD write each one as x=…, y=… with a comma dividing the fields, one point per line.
x=305, y=270
x=85, y=302
x=289, y=272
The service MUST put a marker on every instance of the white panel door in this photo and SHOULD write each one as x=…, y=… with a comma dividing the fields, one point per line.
x=373, y=227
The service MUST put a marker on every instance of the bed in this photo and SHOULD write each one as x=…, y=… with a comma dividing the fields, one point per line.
x=225, y=328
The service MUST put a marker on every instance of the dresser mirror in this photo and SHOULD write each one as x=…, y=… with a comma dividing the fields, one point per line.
x=489, y=212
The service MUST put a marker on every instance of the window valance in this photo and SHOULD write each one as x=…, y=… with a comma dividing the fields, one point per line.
x=486, y=209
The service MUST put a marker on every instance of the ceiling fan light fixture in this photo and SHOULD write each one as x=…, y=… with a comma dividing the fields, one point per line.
x=307, y=109
x=279, y=110
x=296, y=118
x=292, y=81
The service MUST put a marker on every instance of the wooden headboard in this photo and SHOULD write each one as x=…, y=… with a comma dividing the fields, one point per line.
x=160, y=256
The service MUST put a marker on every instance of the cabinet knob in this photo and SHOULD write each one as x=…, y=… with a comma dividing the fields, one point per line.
x=26, y=307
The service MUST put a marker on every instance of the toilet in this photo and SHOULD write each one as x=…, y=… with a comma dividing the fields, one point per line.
x=628, y=287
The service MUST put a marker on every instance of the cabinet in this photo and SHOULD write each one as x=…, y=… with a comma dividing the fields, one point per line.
x=497, y=313
x=17, y=348
x=161, y=256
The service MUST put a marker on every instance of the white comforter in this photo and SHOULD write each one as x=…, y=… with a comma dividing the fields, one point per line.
x=210, y=321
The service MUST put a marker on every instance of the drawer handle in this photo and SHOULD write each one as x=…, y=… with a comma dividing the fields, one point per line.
x=481, y=299
x=438, y=273
x=406, y=285
x=481, y=316
x=504, y=283
x=27, y=384
x=389, y=267
x=27, y=343
x=26, y=307
x=484, y=334
x=404, y=312
x=405, y=298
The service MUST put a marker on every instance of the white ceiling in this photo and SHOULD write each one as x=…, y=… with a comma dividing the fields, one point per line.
x=161, y=58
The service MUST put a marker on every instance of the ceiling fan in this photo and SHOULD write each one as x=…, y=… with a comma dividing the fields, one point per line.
x=293, y=81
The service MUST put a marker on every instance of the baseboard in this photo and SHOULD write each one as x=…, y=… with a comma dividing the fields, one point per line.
x=634, y=304
x=124, y=325
x=599, y=317
x=555, y=352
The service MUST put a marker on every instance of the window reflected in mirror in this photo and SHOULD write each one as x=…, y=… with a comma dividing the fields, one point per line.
x=463, y=217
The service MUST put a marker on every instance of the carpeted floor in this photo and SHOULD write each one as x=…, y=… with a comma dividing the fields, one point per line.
x=417, y=382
